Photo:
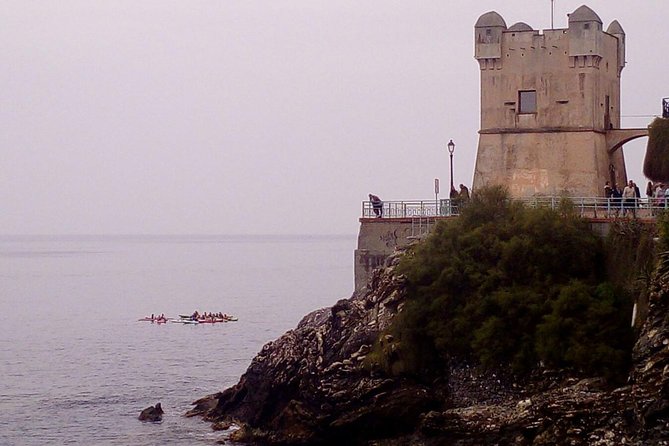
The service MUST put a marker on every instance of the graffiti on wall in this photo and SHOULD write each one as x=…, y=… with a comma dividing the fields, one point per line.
x=391, y=238
x=371, y=261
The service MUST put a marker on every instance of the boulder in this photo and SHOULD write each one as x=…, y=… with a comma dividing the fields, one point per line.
x=152, y=414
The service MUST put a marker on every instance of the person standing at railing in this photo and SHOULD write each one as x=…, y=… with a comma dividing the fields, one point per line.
x=616, y=199
x=460, y=199
x=637, y=195
x=377, y=205
x=454, y=200
x=608, y=191
x=650, y=191
x=629, y=197
x=658, y=197
x=464, y=193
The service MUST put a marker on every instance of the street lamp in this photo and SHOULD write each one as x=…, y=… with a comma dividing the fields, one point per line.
x=451, y=149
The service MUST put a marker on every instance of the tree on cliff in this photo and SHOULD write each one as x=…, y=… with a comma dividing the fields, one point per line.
x=507, y=285
x=656, y=161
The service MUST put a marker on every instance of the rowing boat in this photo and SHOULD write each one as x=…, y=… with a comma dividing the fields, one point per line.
x=184, y=321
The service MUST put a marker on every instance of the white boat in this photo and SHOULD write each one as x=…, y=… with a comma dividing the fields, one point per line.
x=184, y=321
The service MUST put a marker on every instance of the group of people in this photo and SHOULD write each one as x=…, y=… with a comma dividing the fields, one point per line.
x=196, y=316
x=657, y=194
x=458, y=199
x=629, y=198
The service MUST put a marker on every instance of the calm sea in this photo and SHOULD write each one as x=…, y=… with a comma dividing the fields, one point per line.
x=76, y=367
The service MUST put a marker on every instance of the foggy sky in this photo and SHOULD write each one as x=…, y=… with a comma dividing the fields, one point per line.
x=257, y=117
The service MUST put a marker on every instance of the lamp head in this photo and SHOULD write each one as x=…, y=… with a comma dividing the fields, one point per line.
x=451, y=147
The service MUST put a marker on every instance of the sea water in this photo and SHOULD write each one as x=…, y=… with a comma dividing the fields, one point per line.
x=76, y=365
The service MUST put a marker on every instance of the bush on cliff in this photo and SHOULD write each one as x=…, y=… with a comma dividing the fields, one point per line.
x=508, y=285
x=662, y=221
x=656, y=161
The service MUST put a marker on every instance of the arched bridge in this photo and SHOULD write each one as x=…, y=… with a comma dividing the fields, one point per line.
x=615, y=138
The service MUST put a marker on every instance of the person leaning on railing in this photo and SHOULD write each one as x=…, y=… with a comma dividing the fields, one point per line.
x=377, y=205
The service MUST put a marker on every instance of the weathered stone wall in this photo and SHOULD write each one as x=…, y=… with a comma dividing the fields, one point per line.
x=377, y=239
x=537, y=163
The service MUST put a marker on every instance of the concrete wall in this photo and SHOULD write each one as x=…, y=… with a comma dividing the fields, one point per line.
x=378, y=238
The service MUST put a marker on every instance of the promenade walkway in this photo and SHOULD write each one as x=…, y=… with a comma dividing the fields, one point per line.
x=587, y=207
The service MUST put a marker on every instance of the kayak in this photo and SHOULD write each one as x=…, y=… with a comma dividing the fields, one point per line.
x=184, y=321
x=207, y=319
x=212, y=321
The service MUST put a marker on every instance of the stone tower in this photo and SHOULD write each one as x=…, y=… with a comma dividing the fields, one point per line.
x=550, y=106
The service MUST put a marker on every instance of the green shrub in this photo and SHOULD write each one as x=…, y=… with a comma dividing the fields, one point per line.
x=631, y=252
x=656, y=161
x=662, y=222
x=587, y=329
x=508, y=285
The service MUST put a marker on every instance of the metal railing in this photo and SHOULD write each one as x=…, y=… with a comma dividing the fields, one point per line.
x=409, y=209
x=590, y=207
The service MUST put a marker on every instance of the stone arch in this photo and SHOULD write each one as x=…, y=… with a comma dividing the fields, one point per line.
x=616, y=138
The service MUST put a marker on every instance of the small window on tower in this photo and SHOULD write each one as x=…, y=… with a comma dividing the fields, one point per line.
x=586, y=26
x=527, y=101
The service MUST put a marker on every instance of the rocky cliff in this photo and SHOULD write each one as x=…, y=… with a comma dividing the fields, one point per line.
x=311, y=386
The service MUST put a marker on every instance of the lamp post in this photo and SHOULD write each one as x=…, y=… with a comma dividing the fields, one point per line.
x=451, y=149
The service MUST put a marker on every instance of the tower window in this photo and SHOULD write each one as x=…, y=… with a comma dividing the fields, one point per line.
x=527, y=101
x=586, y=26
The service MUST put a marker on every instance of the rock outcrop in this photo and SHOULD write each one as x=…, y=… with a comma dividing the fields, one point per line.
x=313, y=386
x=152, y=414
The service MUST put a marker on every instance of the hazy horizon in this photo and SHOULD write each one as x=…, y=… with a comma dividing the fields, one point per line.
x=255, y=117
